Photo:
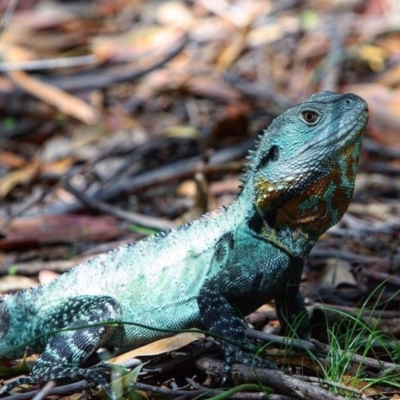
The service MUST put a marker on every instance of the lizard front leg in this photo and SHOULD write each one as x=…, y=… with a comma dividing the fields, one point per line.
x=292, y=313
x=219, y=317
x=65, y=351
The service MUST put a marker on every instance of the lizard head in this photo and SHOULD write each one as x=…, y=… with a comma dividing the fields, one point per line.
x=303, y=171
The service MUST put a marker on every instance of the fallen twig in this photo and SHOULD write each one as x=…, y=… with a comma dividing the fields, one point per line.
x=276, y=379
x=133, y=217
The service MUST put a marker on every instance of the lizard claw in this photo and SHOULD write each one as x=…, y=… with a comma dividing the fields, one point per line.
x=226, y=373
x=98, y=374
x=234, y=354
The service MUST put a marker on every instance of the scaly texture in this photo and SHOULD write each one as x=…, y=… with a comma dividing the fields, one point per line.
x=206, y=273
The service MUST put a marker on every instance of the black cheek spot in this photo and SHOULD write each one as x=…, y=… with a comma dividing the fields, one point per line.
x=270, y=218
x=223, y=246
x=272, y=155
x=255, y=223
x=258, y=221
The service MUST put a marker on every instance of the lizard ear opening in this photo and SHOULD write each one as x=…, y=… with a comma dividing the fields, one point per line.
x=272, y=155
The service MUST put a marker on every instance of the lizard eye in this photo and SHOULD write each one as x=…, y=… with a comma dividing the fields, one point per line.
x=310, y=117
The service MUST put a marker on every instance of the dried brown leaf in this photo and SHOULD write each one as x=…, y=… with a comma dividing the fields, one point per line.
x=160, y=346
x=63, y=101
x=16, y=282
x=175, y=13
x=11, y=160
x=68, y=228
x=45, y=276
x=135, y=43
x=212, y=88
x=17, y=177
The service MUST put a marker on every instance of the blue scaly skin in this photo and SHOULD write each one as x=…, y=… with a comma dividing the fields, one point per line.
x=206, y=273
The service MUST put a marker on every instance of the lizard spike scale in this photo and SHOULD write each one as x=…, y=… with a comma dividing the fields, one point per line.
x=206, y=273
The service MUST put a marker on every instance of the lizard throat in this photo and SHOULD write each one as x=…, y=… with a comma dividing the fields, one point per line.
x=296, y=215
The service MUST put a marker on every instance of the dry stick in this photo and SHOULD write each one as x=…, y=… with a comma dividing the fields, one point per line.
x=106, y=76
x=383, y=167
x=159, y=176
x=189, y=394
x=383, y=314
x=172, y=392
x=179, y=170
x=81, y=385
x=135, y=218
x=60, y=391
x=45, y=390
x=126, y=73
x=204, y=347
x=314, y=380
x=237, y=396
x=184, y=394
x=34, y=267
x=7, y=16
x=255, y=91
x=382, y=277
x=334, y=59
x=272, y=378
x=343, y=255
x=22, y=128
x=112, y=74
x=355, y=358
x=366, y=181
x=283, y=5
x=295, y=344
x=63, y=101
x=319, y=348
x=382, y=150
x=133, y=155
x=167, y=173
x=240, y=395
x=48, y=63
x=36, y=196
x=359, y=227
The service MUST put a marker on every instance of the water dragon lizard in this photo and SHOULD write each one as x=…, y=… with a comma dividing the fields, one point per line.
x=206, y=273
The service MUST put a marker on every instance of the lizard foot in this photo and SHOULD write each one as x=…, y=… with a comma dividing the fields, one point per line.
x=236, y=355
x=28, y=380
x=98, y=373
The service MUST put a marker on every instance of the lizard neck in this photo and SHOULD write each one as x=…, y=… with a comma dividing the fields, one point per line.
x=292, y=216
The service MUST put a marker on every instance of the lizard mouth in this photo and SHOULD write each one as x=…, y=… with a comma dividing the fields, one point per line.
x=355, y=130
